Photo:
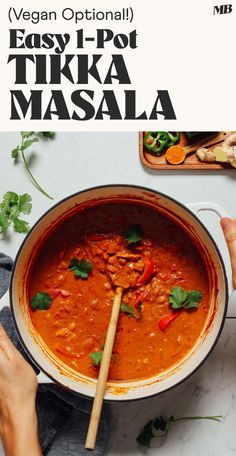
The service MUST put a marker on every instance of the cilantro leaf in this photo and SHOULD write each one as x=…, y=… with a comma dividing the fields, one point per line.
x=28, y=143
x=180, y=298
x=25, y=204
x=11, y=207
x=177, y=297
x=80, y=268
x=20, y=226
x=26, y=134
x=96, y=357
x=48, y=134
x=145, y=437
x=9, y=204
x=130, y=311
x=41, y=301
x=134, y=234
x=193, y=299
x=4, y=222
x=160, y=424
x=168, y=425
x=15, y=152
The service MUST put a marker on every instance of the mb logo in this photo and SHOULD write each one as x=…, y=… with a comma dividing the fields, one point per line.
x=223, y=9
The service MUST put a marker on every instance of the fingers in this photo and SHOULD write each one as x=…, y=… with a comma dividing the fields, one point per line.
x=229, y=229
x=6, y=345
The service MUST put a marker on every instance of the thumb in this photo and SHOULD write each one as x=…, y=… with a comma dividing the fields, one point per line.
x=229, y=229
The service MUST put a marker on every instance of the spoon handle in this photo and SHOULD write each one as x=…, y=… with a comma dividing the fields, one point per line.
x=103, y=373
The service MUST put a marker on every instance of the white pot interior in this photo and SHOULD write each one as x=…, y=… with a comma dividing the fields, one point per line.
x=61, y=373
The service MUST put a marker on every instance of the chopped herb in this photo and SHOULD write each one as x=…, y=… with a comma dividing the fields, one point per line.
x=130, y=311
x=180, y=298
x=80, y=268
x=96, y=357
x=11, y=207
x=134, y=234
x=41, y=301
x=160, y=424
x=27, y=139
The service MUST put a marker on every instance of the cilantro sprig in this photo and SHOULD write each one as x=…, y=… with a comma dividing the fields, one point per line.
x=96, y=357
x=80, y=268
x=27, y=139
x=134, y=234
x=130, y=311
x=150, y=430
x=182, y=299
x=41, y=301
x=11, y=207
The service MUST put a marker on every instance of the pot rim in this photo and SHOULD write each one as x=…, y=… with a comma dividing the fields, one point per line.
x=158, y=193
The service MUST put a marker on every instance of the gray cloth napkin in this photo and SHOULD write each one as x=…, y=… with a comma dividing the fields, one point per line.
x=62, y=416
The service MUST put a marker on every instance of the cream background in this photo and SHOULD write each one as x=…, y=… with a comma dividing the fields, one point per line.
x=182, y=47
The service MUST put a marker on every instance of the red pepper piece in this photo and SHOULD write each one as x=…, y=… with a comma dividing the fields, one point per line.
x=140, y=298
x=65, y=293
x=65, y=352
x=147, y=273
x=165, y=321
x=54, y=293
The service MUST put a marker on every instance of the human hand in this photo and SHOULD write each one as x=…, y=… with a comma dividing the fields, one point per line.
x=18, y=386
x=229, y=229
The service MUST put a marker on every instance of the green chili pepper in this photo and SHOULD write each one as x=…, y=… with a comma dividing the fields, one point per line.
x=156, y=141
x=174, y=137
x=149, y=140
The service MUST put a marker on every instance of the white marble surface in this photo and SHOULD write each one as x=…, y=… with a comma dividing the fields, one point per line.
x=73, y=161
x=211, y=391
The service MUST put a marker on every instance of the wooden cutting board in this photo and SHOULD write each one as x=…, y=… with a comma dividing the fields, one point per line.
x=152, y=161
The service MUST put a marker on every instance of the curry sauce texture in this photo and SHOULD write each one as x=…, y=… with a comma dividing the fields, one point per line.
x=77, y=270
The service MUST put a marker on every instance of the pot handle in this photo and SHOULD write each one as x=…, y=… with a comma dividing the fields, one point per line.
x=4, y=302
x=206, y=206
x=218, y=210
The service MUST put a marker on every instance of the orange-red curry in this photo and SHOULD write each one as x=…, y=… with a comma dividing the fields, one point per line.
x=75, y=324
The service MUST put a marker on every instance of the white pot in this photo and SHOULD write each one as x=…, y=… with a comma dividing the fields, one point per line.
x=119, y=391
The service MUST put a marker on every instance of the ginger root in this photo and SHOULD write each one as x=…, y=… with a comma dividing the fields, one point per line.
x=206, y=155
x=225, y=153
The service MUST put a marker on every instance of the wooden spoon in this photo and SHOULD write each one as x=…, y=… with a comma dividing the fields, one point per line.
x=103, y=373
